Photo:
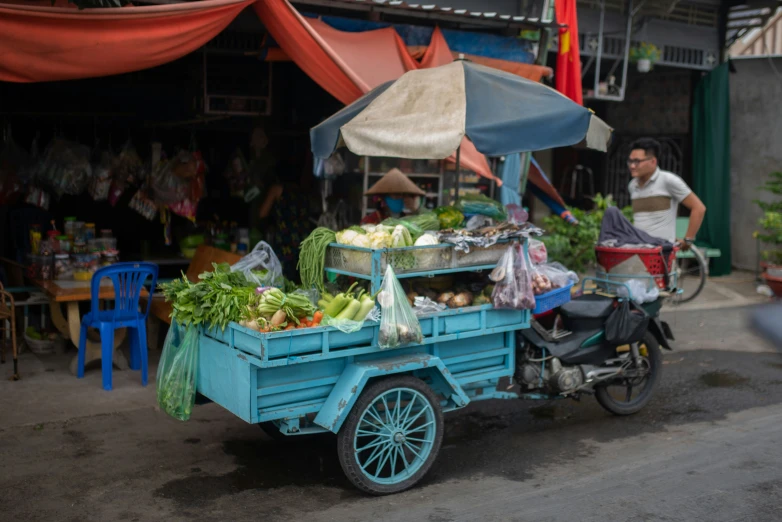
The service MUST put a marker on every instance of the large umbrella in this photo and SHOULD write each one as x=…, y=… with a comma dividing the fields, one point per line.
x=426, y=113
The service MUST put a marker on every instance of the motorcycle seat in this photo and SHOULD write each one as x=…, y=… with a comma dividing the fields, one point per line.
x=589, y=306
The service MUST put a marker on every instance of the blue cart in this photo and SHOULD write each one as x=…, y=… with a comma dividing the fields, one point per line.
x=386, y=406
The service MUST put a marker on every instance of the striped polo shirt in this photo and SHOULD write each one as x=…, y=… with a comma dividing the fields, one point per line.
x=655, y=205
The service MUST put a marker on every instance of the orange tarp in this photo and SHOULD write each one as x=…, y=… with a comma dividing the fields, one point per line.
x=40, y=44
x=348, y=65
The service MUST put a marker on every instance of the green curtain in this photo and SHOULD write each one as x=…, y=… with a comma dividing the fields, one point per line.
x=711, y=162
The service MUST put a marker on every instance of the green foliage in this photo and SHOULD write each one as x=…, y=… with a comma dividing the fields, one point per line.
x=771, y=222
x=574, y=245
x=645, y=51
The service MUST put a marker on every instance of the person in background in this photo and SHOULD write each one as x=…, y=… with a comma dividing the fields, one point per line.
x=396, y=193
x=656, y=195
x=288, y=205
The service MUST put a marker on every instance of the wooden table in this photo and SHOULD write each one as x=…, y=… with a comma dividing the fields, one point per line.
x=71, y=293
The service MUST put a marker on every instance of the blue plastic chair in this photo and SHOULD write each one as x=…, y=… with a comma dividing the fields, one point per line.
x=128, y=280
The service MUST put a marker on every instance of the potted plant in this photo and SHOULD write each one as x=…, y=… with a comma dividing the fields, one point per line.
x=771, y=233
x=645, y=55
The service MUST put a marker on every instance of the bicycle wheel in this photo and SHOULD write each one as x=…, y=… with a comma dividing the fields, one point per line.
x=692, y=273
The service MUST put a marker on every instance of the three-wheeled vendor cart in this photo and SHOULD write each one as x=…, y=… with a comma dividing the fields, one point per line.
x=386, y=406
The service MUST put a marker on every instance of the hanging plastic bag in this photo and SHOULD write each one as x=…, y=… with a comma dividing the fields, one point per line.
x=144, y=205
x=261, y=266
x=176, y=374
x=398, y=324
x=627, y=324
x=513, y=288
x=101, y=177
x=166, y=188
x=129, y=168
x=65, y=168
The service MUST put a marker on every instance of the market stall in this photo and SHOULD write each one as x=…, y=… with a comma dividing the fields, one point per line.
x=393, y=323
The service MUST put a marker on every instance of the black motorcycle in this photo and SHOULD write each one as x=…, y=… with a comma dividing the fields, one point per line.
x=596, y=344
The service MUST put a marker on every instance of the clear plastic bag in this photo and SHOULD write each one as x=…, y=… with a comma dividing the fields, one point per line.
x=550, y=276
x=166, y=187
x=640, y=291
x=261, y=266
x=398, y=324
x=513, y=278
x=65, y=168
x=101, y=178
x=423, y=306
x=176, y=374
x=516, y=214
x=537, y=252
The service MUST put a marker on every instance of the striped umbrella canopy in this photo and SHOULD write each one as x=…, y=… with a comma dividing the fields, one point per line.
x=426, y=113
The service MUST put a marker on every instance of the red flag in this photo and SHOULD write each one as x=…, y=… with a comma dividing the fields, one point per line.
x=568, y=73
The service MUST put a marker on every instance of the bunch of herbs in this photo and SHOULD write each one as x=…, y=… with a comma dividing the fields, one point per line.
x=218, y=298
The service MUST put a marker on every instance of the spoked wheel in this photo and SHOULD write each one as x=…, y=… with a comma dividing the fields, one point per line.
x=628, y=394
x=392, y=436
x=692, y=273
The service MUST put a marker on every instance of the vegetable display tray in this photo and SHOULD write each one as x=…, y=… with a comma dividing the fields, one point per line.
x=324, y=342
x=420, y=261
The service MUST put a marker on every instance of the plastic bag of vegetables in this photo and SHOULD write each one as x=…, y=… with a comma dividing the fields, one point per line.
x=347, y=311
x=513, y=288
x=398, y=324
x=176, y=375
x=480, y=204
x=449, y=217
x=261, y=266
x=401, y=238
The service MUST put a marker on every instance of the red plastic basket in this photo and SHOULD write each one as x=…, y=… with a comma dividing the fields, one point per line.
x=652, y=258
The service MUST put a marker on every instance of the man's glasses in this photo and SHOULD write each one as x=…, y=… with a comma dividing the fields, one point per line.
x=636, y=162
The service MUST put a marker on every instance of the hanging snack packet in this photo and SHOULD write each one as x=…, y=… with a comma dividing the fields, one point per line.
x=398, y=324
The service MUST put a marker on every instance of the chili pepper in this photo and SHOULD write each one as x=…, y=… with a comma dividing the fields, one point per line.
x=350, y=310
x=340, y=302
x=322, y=304
x=367, y=304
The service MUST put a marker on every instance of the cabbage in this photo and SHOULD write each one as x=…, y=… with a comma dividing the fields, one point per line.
x=427, y=258
x=362, y=240
x=346, y=237
x=401, y=237
x=380, y=239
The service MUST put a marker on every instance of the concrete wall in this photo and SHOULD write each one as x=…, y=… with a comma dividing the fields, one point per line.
x=756, y=146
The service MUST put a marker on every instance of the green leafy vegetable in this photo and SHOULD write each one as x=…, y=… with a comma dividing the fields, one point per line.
x=218, y=297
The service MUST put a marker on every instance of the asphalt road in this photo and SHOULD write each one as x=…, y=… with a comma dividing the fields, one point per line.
x=708, y=447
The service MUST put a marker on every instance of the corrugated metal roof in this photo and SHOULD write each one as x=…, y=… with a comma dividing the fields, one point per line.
x=435, y=12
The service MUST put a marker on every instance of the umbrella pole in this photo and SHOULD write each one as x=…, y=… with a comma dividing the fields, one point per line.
x=458, y=170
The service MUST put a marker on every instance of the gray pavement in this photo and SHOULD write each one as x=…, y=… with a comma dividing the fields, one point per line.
x=706, y=448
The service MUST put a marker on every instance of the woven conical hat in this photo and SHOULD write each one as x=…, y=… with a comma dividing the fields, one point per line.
x=395, y=182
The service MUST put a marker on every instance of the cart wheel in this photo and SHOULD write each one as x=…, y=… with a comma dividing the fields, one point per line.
x=392, y=435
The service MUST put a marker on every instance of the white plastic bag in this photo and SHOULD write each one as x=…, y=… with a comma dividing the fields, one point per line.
x=558, y=274
x=640, y=290
x=261, y=266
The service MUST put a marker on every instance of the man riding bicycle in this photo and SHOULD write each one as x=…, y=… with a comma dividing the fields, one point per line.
x=656, y=195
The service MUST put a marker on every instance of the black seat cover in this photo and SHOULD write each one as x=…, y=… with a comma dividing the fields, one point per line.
x=589, y=306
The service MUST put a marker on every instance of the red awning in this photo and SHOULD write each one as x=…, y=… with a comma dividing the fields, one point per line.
x=39, y=43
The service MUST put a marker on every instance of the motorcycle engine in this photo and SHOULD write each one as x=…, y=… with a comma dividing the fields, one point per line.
x=552, y=376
